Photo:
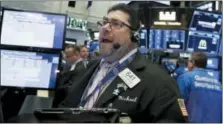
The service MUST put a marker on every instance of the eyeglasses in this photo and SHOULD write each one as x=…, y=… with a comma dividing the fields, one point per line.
x=113, y=23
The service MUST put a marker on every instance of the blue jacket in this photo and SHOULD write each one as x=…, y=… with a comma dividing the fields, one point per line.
x=179, y=71
x=202, y=95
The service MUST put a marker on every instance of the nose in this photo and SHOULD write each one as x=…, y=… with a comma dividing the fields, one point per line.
x=107, y=27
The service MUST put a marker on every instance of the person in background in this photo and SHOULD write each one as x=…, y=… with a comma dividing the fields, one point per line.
x=75, y=69
x=181, y=68
x=84, y=53
x=124, y=79
x=96, y=55
x=201, y=92
x=72, y=57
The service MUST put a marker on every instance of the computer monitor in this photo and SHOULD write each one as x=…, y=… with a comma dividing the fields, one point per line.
x=212, y=63
x=213, y=73
x=203, y=42
x=170, y=60
x=166, y=39
x=220, y=49
x=94, y=45
x=28, y=69
x=33, y=29
x=206, y=21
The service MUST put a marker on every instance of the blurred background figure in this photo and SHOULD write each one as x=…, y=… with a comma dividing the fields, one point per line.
x=181, y=68
x=84, y=53
x=96, y=55
x=201, y=92
x=73, y=70
x=72, y=57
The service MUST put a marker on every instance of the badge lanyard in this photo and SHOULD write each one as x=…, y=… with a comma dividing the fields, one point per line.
x=111, y=74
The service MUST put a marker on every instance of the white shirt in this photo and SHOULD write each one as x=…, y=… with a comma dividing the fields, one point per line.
x=104, y=69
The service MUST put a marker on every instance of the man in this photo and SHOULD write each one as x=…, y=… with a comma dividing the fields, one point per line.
x=181, y=68
x=73, y=72
x=72, y=56
x=201, y=92
x=124, y=79
x=84, y=53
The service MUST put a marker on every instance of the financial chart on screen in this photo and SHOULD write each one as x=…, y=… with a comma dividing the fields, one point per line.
x=21, y=28
x=203, y=42
x=206, y=22
x=28, y=69
x=166, y=39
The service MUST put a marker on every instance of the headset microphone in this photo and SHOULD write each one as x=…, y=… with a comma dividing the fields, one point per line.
x=116, y=46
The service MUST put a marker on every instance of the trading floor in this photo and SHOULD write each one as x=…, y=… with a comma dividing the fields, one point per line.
x=134, y=62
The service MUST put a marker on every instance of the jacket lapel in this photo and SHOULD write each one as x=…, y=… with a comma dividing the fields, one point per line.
x=110, y=94
x=79, y=88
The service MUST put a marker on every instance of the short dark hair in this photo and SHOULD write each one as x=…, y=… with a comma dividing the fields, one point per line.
x=133, y=16
x=74, y=47
x=199, y=59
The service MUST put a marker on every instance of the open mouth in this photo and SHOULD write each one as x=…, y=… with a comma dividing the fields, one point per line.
x=106, y=41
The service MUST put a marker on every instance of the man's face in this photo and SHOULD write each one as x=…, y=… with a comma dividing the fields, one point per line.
x=114, y=32
x=190, y=65
x=71, y=56
x=84, y=52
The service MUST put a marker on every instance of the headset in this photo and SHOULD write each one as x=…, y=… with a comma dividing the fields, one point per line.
x=135, y=36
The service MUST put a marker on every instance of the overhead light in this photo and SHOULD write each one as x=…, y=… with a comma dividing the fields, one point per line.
x=167, y=16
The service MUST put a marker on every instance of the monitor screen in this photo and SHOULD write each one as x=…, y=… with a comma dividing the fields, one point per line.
x=21, y=28
x=28, y=69
x=170, y=60
x=166, y=39
x=206, y=22
x=212, y=63
x=143, y=38
x=203, y=42
x=93, y=45
x=214, y=74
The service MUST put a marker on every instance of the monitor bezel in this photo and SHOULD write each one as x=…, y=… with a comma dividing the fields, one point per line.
x=38, y=12
x=163, y=49
x=35, y=88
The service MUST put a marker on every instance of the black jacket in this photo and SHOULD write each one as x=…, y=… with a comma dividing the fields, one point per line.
x=156, y=95
x=1, y=113
x=66, y=80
